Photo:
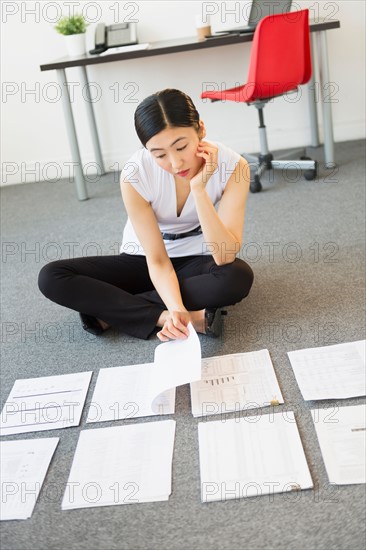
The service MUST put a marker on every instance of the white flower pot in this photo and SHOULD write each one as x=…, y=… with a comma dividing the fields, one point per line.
x=75, y=44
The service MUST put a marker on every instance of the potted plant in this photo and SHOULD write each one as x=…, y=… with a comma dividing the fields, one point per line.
x=73, y=28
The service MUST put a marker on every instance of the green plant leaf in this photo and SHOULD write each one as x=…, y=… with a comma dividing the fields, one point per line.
x=75, y=24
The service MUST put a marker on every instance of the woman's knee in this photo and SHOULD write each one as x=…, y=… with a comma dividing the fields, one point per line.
x=47, y=278
x=238, y=278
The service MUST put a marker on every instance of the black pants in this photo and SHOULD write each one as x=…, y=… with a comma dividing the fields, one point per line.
x=118, y=289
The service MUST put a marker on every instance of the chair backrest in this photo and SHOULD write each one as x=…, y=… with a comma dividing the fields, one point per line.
x=280, y=57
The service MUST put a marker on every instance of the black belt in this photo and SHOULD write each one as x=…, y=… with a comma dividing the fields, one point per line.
x=175, y=236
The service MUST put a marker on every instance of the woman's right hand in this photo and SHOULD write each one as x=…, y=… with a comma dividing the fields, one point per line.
x=175, y=326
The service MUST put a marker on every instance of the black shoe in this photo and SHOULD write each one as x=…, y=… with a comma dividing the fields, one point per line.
x=91, y=324
x=213, y=321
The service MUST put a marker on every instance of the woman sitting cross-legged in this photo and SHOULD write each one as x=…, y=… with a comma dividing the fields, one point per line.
x=185, y=198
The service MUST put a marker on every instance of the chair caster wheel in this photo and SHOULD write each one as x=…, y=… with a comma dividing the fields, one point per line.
x=311, y=175
x=255, y=185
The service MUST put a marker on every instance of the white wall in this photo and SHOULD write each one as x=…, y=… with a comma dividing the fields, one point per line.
x=34, y=137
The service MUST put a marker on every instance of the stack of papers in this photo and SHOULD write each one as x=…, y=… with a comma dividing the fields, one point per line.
x=148, y=389
x=342, y=440
x=330, y=372
x=122, y=465
x=243, y=458
x=128, y=48
x=235, y=382
x=45, y=403
x=24, y=465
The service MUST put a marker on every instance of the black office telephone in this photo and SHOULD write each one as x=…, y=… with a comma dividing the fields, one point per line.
x=112, y=36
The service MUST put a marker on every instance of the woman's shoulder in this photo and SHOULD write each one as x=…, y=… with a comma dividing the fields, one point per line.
x=227, y=160
x=141, y=158
x=224, y=149
x=139, y=166
x=139, y=171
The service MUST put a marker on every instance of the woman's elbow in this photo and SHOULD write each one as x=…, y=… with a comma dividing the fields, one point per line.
x=227, y=254
x=225, y=259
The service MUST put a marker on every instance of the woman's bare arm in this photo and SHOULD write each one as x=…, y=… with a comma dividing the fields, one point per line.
x=222, y=229
x=161, y=270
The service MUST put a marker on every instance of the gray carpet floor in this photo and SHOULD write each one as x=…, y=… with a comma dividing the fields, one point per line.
x=306, y=244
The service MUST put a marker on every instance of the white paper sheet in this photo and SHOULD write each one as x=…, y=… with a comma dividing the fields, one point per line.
x=24, y=464
x=251, y=456
x=177, y=362
x=330, y=372
x=148, y=389
x=342, y=439
x=129, y=48
x=235, y=382
x=122, y=393
x=121, y=465
x=45, y=403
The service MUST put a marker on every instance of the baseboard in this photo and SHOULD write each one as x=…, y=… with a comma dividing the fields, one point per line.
x=14, y=173
x=284, y=139
x=55, y=170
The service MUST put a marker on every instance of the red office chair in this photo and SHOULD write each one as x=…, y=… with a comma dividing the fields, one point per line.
x=280, y=61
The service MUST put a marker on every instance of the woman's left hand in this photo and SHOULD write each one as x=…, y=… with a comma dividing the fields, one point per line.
x=209, y=154
x=175, y=326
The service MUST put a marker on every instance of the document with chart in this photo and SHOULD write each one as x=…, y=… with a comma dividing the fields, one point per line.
x=147, y=389
x=330, y=372
x=341, y=433
x=127, y=464
x=235, y=382
x=24, y=464
x=252, y=456
x=45, y=403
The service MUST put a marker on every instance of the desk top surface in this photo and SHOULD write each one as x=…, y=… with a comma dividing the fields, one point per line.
x=172, y=46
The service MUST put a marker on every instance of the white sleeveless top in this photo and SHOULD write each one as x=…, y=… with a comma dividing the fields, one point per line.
x=157, y=187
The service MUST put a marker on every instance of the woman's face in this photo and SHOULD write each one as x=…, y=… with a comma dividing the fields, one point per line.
x=174, y=150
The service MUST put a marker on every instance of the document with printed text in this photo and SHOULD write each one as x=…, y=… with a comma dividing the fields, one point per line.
x=251, y=456
x=342, y=439
x=127, y=464
x=24, y=464
x=147, y=389
x=45, y=403
x=235, y=382
x=330, y=372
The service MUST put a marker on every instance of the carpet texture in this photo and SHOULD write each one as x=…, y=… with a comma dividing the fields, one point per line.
x=305, y=242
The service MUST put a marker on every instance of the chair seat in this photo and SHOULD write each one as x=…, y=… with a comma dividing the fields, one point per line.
x=238, y=94
x=248, y=93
